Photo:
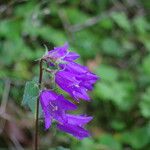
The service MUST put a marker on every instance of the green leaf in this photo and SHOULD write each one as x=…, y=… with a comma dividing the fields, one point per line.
x=112, y=47
x=121, y=19
x=76, y=15
x=138, y=138
x=31, y=94
x=145, y=104
x=107, y=73
x=110, y=142
x=146, y=64
x=57, y=37
x=87, y=44
x=117, y=125
x=141, y=24
x=86, y=144
x=106, y=23
x=120, y=93
x=145, y=40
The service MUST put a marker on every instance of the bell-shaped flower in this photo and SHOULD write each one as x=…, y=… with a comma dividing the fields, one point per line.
x=75, y=126
x=54, y=106
x=76, y=80
x=61, y=54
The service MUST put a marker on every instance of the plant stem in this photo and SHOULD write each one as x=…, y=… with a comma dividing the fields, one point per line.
x=37, y=107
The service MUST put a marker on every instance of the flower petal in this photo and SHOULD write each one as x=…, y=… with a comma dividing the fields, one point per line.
x=76, y=68
x=65, y=104
x=74, y=130
x=58, y=52
x=47, y=120
x=79, y=120
x=71, y=56
x=46, y=96
x=80, y=93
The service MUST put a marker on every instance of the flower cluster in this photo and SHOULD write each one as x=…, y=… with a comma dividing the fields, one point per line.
x=74, y=79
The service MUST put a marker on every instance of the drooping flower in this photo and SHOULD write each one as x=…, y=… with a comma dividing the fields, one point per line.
x=54, y=107
x=61, y=54
x=75, y=130
x=75, y=126
x=70, y=84
x=72, y=77
x=76, y=80
x=79, y=120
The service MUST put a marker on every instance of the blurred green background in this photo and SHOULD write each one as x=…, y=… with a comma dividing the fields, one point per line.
x=113, y=39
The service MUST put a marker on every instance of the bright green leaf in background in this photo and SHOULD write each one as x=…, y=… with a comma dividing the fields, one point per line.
x=145, y=103
x=138, y=138
x=31, y=94
x=110, y=142
x=111, y=89
x=146, y=65
x=121, y=19
x=112, y=47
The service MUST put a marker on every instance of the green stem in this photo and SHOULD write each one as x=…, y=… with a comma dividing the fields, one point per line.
x=37, y=108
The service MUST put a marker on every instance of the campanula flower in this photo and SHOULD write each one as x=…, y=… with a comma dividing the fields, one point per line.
x=61, y=54
x=54, y=107
x=68, y=82
x=75, y=126
x=79, y=120
x=76, y=131
x=73, y=78
x=76, y=80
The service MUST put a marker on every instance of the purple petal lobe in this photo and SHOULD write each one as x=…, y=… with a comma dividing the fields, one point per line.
x=47, y=120
x=74, y=130
x=58, y=52
x=65, y=104
x=71, y=56
x=61, y=54
x=78, y=119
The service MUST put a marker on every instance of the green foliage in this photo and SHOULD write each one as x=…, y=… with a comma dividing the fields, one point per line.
x=145, y=104
x=87, y=42
x=110, y=88
x=75, y=15
x=87, y=144
x=122, y=21
x=110, y=142
x=114, y=49
x=141, y=25
x=116, y=45
x=146, y=64
x=138, y=138
x=31, y=94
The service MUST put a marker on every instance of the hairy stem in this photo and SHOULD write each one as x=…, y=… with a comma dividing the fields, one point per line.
x=37, y=107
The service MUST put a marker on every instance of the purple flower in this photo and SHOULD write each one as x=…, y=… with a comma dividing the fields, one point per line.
x=61, y=54
x=72, y=77
x=79, y=120
x=76, y=80
x=74, y=130
x=54, y=107
x=75, y=126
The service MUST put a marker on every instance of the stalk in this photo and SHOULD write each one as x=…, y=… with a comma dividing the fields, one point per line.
x=37, y=108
